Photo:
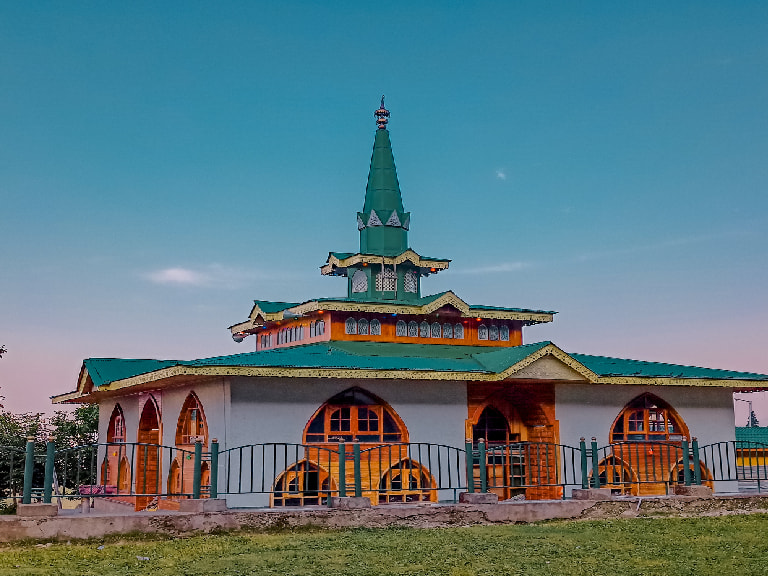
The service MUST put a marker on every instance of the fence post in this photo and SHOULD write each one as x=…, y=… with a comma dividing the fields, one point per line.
x=214, y=468
x=696, y=462
x=342, y=470
x=197, y=474
x=595, y=465
x=584, y=465
x=50, y=453
x=469, y=458
x=29, y=466
x=483, y=471
x=686, y=460
x=358, y=482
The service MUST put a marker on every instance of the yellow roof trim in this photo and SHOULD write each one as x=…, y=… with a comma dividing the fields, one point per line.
x=555, y=352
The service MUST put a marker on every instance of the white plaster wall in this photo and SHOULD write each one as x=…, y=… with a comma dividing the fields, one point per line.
x=277, y=410
x=585, y=410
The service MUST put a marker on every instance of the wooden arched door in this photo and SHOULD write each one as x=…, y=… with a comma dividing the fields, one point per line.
x=148, y=454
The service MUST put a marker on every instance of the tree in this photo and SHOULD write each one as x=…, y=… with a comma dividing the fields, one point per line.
x=753, y=421
x=3, y=350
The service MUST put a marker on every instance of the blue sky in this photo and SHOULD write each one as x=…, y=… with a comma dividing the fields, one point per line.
x=162, y=165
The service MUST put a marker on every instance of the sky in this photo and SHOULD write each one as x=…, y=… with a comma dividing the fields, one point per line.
x=162, y=165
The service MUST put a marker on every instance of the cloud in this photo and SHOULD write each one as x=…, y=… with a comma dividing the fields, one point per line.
x=179, y=277
x=208, y=276
x=495, y=268
x=501, y=174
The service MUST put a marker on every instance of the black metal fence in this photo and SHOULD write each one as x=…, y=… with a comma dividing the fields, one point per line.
x=291, y=474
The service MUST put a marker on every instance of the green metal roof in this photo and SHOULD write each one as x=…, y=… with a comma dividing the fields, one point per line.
x=752, y=434
x=107, y=370
x=605, y=366
x=388, y=356
x=269, y=307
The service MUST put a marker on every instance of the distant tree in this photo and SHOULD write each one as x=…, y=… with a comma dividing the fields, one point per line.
x=753, y=421
x=78, y=428
x=3, y=350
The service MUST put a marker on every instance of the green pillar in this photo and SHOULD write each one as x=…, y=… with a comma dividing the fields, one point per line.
x=214, y=468
x=696, y=462
x=595, y=465
x=342, y=470
x=29, y=468
x=686, y=460
x=469, y=457
x=197, y=474
x=50, y=453
x=483, y=470
x=584, y=464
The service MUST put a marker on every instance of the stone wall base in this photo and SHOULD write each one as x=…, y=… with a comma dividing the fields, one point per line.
x=203, y=505
x=37, y=510
x=350, y=502
x=597, y=494
x=478, y=498
x=700, y=491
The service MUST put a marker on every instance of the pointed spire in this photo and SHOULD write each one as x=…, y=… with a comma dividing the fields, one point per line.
x=382, y=197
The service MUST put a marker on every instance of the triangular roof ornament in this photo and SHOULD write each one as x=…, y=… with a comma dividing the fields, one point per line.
x=374, y=220
x=394, y=220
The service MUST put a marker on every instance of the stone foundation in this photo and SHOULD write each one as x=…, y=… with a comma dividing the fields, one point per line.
x=478, y=498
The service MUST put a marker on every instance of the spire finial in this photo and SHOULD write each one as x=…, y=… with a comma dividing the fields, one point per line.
x=382, y=116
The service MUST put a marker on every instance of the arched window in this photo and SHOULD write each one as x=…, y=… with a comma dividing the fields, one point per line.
x=410, y=282
x=447, y=330
x=320, y=327
x=303, y=484
x=504, y=333
x=355, y=416
x=493, y=427
x=458, y=331
x=386, y=280
x=375, y=327
x=359, y=281
x=350, y=326
x=191, y=425
x=116, y=429
x=648, y=418
x=424, y=329
x=362, y=327
x=413, y=329
x=406, y=481
x=401, y=328
x=482, y=332
x=493, y=333
x=435, y=330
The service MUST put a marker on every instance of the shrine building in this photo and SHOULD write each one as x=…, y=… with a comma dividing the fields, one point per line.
x=388, y=363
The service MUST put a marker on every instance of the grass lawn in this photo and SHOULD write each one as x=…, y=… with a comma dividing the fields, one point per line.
x=706, y=546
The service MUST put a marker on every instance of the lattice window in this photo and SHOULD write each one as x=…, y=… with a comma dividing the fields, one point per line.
x=406, y=481
x=116, y=430
x=411, y=282
x=191, y=425
x=401, y=328
x=375, y=327
x=493, y=333
x=458, y=331
x=504, y=333
x=447, y=330
x=435, y=329
x=304, y=483
x=359, y=281
x=320, y=328
x=413, y=329
x=482, y=332
x=350, y=326
x=362, y=327
x=424, y=329
x=386, y=280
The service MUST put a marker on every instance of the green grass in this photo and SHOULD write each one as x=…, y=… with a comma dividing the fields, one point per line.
x=679, y=546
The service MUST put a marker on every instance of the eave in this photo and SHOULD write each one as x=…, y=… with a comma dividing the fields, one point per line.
x=428, y=265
